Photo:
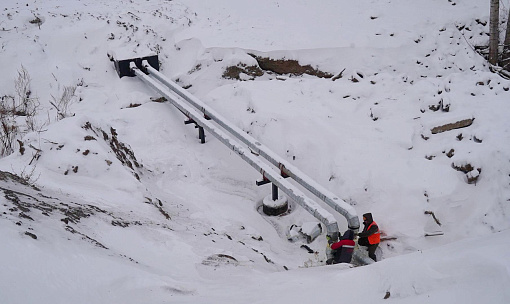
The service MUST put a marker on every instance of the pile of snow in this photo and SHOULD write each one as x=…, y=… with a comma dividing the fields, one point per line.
x=131, y=208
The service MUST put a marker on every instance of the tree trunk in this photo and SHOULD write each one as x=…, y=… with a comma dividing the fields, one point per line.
x=494, y=32
x=505, y=57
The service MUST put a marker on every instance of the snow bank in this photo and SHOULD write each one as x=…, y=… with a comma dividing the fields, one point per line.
x=364, y=134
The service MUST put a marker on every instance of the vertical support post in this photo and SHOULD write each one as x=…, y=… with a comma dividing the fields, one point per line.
x=201, y=134
x=275, y=192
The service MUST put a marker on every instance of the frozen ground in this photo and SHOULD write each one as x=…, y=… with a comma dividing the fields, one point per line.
x=131, y=208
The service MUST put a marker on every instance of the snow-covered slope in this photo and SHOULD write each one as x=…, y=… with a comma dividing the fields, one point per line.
x=130, y=207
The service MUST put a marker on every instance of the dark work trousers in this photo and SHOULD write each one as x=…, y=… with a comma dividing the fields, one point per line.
x=371, y=248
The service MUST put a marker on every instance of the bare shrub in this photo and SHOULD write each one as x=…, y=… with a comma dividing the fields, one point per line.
x=8, y=127
x=32, y=109
x=28, y=175
x=23, y=92
x=24, y=104
x=6, y=104
x=8, y=133
x=64, y=102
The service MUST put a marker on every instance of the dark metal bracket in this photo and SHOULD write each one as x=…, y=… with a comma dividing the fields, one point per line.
x=201, y=132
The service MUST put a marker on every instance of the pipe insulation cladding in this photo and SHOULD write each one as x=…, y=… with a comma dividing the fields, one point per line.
x=301, y=178
x=295, y=194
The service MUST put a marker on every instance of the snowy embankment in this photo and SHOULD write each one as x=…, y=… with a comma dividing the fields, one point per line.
x=131, y=208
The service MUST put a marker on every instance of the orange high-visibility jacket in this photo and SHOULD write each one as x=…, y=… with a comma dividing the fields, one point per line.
x=376, y=237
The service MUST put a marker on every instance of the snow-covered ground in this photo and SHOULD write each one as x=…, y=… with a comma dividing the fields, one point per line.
x=131, y=208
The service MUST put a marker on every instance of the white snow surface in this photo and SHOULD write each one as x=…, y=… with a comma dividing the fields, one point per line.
x=189, y=229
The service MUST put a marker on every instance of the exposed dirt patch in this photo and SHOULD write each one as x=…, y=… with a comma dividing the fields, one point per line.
x=234, y=72
x=26, y=203
x=463, y=168
x=122, y=151
x=272, y=66
x=288, y=66
x=452, y=126
x=220, y=260
x=450, y=153
x=120, y=223
x=31, y=235
x=472, y=174
x=86, y=237
x=158, y=204
x=88, y=137
x=7, y=176
x=28, y=208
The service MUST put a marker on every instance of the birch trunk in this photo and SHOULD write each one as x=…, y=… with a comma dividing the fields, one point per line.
x=494, y=32
x=505, y=57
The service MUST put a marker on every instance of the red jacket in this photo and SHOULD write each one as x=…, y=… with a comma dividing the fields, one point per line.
x=343, y=251
x=339, y=244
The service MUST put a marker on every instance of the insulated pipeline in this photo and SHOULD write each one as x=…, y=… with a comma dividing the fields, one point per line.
x=294, y=193
x=319, y=191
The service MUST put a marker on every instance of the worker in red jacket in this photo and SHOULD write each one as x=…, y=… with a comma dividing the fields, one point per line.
x=343, y=249
x=370, y=236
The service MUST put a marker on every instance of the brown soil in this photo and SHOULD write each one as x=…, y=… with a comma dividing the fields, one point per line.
x=452, y=126
x=273, y=66
x=234, y=72
x=288, y=66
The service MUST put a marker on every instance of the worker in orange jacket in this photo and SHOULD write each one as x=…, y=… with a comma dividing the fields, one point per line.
x=370, y=236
